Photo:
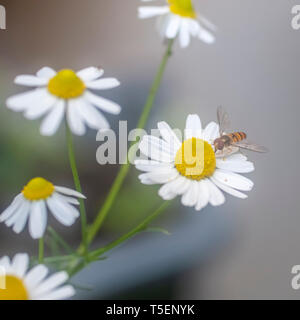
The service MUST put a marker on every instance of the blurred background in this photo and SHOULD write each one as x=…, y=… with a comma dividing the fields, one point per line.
x=242, y=250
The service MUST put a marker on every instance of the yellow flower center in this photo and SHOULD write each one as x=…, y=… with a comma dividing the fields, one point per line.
x=38, y=189
x=195, y=159
x=14, y=289
x=66, y=84
x=183, y=8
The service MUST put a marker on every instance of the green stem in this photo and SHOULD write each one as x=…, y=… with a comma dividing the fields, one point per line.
x=94, y=255
x=94, y=228
x=60, y=240
x=77, y=186
x=141, y=227
x=41, y=250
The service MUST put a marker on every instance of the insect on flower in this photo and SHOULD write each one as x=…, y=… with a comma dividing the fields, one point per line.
x=229, y=143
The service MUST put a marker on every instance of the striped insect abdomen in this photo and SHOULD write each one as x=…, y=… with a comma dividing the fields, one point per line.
x=237, y=136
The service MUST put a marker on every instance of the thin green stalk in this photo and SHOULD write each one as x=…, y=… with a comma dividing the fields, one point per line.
x=94, y=255
x=94, y=228
x=59, y=259
x=60, y=240
x=141, y=227
x=41, y=250
x=73, y=165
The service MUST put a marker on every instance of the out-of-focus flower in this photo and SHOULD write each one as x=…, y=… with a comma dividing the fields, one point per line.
x=65, y=92
x=191, y=169
x=179, y=17
x=21, y=284
x=32, y=204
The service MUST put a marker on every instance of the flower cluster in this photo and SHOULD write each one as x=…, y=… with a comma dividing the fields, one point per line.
x=192, y=168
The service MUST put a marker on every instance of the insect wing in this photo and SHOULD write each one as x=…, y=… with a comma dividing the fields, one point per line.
x=223, y=120
x=251, y=146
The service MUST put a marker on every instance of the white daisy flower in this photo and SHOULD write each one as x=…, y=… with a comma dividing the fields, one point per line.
x=32, y=204
x=191, y=169
x=179, y=18
x=65, y=92
x=19, y=283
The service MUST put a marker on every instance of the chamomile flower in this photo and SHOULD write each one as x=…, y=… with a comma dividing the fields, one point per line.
x=31, y=204
x=190, y=169
x=65, y=92
x=179, y=18
x=19, y=283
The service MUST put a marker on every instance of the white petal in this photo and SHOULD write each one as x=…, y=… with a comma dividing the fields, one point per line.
x=103, y=104
x=22, y=209
x=162, y=24
x=233, y=180
x=103, y=84
x=193, y=128
x=229, y=190
x=193, y=27
x=52, y=121
x=190, y=197
x=64, y=292
x=235, y=165
x=180, y=185
x=67, y=199
x=69, y=192
x=237, y=157
x=184, y=34
x=63, y=212
x=206, y=36
x=150, y=165
x=37, y=219
x=173, y=27
x=216, y=197
x=5, y=263
x=74, y=118
x=18, y=200
x=90, y=74
x=169, y=135
x=162, y=175
x=93, y=117
x=20, y=223
x=46, y=72
x=208, y=24
x=203, y=196
x=30, y=81
x=155, y=151
x=160, y=144
x=149, y=12
x=21, y=101
x=211, y=132
x=35, y=276
x=51, y=283
x=166, y=193
x=39, y=108
x=20, y=264
x=144, y=179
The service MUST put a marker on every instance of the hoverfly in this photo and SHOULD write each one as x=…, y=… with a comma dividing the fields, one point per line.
x=229, y=143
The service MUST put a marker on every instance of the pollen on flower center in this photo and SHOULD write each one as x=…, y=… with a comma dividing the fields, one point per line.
x=38, y=189
x=14, y=289
x=66, y=84
x=183, y=8
x=195, y=159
